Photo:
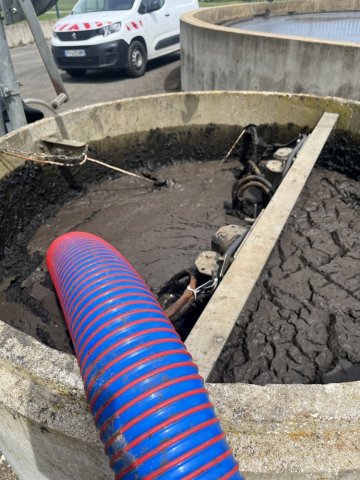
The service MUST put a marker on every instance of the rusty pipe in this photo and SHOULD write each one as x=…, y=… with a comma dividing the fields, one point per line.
x=186, y=298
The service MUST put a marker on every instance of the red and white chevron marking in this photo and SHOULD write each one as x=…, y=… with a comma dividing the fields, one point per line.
x=131, y=26
x=74, y=27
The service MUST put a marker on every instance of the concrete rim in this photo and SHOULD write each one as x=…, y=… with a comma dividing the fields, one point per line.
x=318, y=423
x=215, y=18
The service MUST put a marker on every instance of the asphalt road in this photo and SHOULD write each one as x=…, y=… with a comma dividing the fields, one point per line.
x=163, y=75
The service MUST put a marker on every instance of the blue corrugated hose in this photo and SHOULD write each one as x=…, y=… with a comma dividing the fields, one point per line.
x=145, y=393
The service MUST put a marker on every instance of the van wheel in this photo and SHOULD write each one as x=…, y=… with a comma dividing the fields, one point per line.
x=137, y=59
x=77, y=73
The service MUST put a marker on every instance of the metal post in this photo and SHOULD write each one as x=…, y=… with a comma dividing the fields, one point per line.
x=9, y=86
x=2, y=124
x=40, y=41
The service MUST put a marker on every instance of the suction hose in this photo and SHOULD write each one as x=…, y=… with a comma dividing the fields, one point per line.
x=145, y=393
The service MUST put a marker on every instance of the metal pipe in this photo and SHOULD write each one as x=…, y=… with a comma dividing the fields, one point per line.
x=256, y=178
x=148, y=401
x=253, y=183
x=185, y=300
x=30, y=14
x=9, y=86
x=254, y=168
x=38, y=101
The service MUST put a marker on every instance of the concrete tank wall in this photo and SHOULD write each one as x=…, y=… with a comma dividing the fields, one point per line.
x=20, y=34
x=286, y=432
x=216, y=57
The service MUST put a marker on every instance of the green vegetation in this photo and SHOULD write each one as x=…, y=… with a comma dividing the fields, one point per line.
x=65, y=7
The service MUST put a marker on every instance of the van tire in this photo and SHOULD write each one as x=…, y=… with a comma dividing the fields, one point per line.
x=76, y=73
x=137, y=59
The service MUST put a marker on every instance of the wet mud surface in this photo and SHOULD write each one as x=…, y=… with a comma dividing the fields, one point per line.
x=159, y=230
x=302, y=321
x=301, y=324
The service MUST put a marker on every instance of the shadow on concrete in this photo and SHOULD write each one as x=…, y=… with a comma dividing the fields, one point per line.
x=172, y=82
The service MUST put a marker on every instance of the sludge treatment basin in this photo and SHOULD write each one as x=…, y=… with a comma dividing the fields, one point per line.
x=298, y=46
x=297, y=333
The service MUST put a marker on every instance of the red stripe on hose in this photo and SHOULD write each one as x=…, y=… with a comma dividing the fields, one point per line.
x=77, y=256
x=121, y=342
x=168, y=402
x=76, y=325
x=135, y=382
x=102, y=314
x=139, y=461
x=98, y=271
x=152, y=410
x=171, y=420
x=131, y=283
x=99, y=267
x=98, y=240
x=77, y=261
x=129, y=368
x=130, y=352
x=68, y=301
x=63, y=250
x=73, y=239
x=180, y=459
x=108, y=264
x=116, y=331
x=114, y=308
x=119, y=315
x=231, y=473
x=80, y=295
x=103, y=292
x=207, y=466
x=157, y=407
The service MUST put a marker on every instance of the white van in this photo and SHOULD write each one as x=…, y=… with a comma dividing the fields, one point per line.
x=112, y=34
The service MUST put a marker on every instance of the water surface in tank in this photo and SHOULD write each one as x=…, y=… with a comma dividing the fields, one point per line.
x=336, y=26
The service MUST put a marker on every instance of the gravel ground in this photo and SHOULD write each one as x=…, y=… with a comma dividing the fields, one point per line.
x=5, y=471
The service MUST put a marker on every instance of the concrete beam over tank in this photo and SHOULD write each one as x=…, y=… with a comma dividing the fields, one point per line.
x=278, y=432
x=213, y=328
x=218, y=57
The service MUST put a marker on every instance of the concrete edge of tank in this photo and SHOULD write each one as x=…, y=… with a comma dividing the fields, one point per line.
x=217, y=57
x=277, y=432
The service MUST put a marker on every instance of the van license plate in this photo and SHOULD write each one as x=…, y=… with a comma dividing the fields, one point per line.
x=75, y=53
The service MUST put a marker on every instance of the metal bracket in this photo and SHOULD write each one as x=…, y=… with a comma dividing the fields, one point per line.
x=10, y=89
x=58, y=146
x=13, y=12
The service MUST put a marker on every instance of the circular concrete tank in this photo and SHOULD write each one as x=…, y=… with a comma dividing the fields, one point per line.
x=218, y=56
x=277, y=431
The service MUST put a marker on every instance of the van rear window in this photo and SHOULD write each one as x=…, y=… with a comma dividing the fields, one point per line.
x=86, y=6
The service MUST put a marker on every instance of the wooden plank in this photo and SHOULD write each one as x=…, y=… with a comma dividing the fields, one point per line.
x=214, y=326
